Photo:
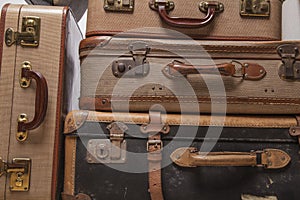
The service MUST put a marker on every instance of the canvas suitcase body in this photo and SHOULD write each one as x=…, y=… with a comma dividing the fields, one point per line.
x=38, y=65
x=218, y=20
x=109, y=155
x=129, y=74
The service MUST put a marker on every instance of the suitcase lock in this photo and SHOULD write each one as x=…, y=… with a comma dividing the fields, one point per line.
x=137, y=67
x=29, y=35
x=255, y=8
x=19, y=171
x=119, y=5
x=290, y=68
x=112, y=150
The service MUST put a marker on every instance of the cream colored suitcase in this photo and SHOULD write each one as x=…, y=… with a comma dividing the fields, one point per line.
x=235, y=77
x=38, y=63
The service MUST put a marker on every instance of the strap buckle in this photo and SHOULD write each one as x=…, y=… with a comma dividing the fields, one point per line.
x=154, y=145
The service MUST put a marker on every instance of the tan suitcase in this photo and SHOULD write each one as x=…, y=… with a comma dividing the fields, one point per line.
x=218, y=20
x=130, y=74
x=38, y=64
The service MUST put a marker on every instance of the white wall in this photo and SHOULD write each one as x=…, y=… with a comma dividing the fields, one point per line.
x=291, y=18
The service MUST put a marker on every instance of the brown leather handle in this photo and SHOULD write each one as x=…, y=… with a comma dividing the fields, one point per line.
x=162, y=6
x=41, y=100
x=247, y=71
x=268, y=158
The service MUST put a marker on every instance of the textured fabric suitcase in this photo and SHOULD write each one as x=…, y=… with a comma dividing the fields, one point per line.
x=129, y=74
x=109, y=155
x=39, y=62
x=218, y=20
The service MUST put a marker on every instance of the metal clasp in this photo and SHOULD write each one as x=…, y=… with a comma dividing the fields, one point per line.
x=290, y=68
x=119, y=5
x=112, y=150
x=19, y=171
x=135, y=68
x=29, y=35
x=255, y=8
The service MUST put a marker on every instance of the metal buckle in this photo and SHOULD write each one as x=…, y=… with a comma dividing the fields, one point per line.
x=240, y=71
x=158, y=144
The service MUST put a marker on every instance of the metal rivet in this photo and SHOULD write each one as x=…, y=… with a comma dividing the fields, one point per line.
x=261, y=71
x=103, y=101
x=246, y=65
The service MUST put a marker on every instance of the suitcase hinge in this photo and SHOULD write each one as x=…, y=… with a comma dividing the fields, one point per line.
x=135, y=68
x=19, y=171
x=112, y=150
x=255, y=8
x=295, y=130
x=29, y=35
x=290, y=69
x=119, y=5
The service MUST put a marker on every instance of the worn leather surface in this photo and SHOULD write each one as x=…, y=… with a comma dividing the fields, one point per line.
x=226, y=25
x=202, y=183
x=43, y=145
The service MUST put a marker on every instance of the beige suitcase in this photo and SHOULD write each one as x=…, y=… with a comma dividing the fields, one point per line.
x=217, y=20
x=38, y=64
x=236, y=77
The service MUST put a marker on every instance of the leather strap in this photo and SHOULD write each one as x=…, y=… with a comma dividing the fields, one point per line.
x=154, y=148
x=268, y=158
x=247, y=71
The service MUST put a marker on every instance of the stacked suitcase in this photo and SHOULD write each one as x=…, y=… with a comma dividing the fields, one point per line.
x=174, y=107
x=39, y=65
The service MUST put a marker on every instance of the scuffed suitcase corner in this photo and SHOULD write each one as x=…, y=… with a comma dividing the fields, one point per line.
x=74, y=120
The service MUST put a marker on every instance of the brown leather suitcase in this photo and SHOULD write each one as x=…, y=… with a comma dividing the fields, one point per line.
x=39, y=62
x=156, y=156
x=130, y=74
x=217, y=20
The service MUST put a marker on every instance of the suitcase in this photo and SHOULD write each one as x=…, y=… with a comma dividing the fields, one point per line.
x=156, y=156
x=78, y=7
x=217, y=20
x=39, y=64
x=130, y=74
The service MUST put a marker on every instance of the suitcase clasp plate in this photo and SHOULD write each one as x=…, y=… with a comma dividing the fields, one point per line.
x=19, y=171
x=112, y=150
x=119, y=5
x=290, y=68
x=255, y=8
x=29, y=35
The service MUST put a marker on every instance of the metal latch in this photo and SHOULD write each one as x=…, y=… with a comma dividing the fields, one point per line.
x=119, y=5
x=290, y=68
x=112, y=150
x=19, y=171
x=255, y=8
x=136, y=67
x=295, y=130
x=29, y=35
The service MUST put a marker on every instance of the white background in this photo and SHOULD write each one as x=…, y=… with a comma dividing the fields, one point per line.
x=291, y=18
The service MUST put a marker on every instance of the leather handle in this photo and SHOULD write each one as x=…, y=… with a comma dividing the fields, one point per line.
x=41, y=100
x=247, y=71
x=163, y=6
x=268, y=158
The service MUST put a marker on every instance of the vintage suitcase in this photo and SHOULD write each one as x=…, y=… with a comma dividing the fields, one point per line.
x=39, y=62
x=218, y=20
x=129, y=74
x=78, y=7
x=108, y=156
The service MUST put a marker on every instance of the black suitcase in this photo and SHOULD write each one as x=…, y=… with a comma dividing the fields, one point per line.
x=109, y=155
